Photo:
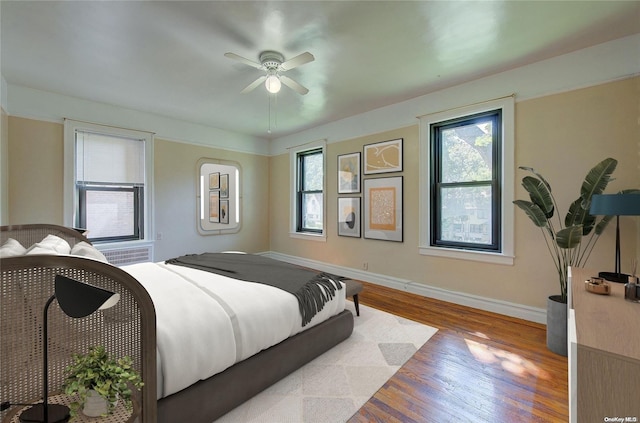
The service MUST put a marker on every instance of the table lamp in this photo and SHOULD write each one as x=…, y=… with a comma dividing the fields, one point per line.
x=615, y=205
x=76, y=299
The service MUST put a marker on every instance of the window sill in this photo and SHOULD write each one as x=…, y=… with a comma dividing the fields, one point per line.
x=308, y=236
x=486, y=257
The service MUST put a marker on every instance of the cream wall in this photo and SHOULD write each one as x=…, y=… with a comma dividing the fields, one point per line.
x=35, y=181
x=561, y=135
x=35, y=171
x=4, y=167
x=175, y=201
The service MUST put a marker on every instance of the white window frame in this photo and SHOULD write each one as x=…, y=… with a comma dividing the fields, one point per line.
x=293, y=172
x=506, y=256
x=70, y=199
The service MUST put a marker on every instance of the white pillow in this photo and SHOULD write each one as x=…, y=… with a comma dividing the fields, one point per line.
x=84, y=249
x=51, y=244
x=11, y=248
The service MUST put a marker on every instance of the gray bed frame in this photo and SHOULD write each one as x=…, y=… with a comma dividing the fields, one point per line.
x=126, y=329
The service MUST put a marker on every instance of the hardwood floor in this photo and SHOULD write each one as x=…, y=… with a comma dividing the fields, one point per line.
x=478, y=367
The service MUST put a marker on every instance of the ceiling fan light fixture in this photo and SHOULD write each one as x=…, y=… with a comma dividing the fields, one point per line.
x=272, y=83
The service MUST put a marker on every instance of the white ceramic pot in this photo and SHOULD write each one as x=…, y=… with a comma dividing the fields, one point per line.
x=95, y=405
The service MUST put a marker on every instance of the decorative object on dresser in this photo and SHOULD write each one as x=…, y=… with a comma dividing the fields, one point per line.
x=77, y=300
x=632, y=287
x=597, y=286
x=564, y=238
x=626, y=203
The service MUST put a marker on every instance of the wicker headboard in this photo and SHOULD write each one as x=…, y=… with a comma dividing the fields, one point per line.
x=128, y=328
x=27, y=235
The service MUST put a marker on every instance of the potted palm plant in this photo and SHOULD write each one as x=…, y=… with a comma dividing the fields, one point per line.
x=100, y=382
x=570, y=242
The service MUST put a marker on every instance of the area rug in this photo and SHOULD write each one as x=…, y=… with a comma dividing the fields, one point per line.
x=331, y=388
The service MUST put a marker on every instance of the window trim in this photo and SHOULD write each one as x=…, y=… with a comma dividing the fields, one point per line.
x=301, y=192
x=506, y=256
x=294, y=232
x=71, y=200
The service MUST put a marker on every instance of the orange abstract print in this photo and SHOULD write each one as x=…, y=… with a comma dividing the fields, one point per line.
x=382, y=203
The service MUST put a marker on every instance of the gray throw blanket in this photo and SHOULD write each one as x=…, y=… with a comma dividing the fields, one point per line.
x=305, y=285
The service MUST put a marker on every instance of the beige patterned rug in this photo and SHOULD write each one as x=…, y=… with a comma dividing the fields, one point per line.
x=331, y=388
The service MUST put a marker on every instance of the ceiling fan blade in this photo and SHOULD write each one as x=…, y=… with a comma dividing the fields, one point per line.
x=293, y=85
x=243, y=60
x=299, y=60
x=254, y=84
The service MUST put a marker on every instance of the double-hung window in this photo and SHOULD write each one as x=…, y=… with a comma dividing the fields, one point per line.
x=466, y=182
x=308, y=182
x=109, y=186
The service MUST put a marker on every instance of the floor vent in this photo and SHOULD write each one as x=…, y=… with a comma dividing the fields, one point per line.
x=130, y=255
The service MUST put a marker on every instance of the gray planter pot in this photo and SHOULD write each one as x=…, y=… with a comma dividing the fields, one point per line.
x=557, y=325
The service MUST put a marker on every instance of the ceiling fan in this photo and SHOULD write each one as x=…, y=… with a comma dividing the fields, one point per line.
x=274, y=66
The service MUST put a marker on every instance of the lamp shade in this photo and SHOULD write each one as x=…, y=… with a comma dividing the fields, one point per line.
x=615, y=205
x=79, y=299
x=272, y=83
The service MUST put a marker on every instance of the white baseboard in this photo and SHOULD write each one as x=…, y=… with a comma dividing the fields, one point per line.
x=520, y=311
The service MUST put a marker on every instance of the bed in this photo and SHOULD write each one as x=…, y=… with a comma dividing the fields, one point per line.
x=135, y=328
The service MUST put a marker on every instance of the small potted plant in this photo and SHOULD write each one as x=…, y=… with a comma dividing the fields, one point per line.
x=100, y=382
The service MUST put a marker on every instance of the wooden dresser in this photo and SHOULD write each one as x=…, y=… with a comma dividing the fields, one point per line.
x=604, y=353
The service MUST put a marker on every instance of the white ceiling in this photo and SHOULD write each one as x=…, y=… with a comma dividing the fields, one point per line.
x=167, y=57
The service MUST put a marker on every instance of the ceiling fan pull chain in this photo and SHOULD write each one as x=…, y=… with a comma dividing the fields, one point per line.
x=269, y=99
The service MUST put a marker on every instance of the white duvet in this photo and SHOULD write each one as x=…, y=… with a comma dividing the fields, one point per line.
x=207, y=322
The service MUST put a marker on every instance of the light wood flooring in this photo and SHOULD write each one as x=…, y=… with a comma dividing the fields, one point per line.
x=479, y=367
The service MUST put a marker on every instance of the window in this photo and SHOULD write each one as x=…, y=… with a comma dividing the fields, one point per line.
x=310, y=202
x=308, y=205
x=466, y=182
x=107, y=183
x=110, y=213
x=466, y=185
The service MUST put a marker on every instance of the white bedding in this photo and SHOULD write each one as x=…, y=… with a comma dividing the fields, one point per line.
x=201, y=335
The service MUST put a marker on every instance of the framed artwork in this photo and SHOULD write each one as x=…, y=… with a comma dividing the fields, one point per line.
x=383, y=157
x=214, y=180
x=224, y=186
x=349, y=173
x=214, y=206
x=349, y=216
x=383, y=208
x=224, y=211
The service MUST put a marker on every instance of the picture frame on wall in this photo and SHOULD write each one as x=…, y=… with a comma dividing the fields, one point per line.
x=383, y=208
x=349, y=216
x=349, y=173
x=214, y=206
x=224, y=211
x=224, y=185
x=383, y=157
x=214, y=180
